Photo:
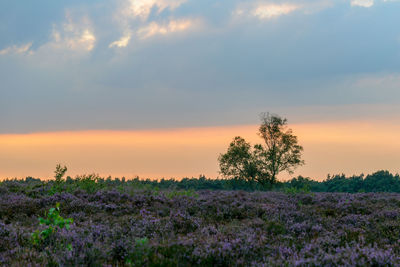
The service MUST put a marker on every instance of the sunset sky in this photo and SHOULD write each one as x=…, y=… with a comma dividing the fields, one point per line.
x=158, y=88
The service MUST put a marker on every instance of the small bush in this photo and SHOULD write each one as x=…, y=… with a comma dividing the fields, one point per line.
x=53, y=222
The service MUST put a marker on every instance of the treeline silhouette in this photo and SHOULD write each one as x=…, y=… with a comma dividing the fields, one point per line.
x=380, y=181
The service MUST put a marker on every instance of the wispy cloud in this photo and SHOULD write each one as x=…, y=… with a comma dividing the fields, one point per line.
x=22, y=49
x=172, y=26
x=143, y=8
x=387, y=83
x=133, y=18
x=362, y=3
x=267, y=11
x=72, y=35
x=123, y=41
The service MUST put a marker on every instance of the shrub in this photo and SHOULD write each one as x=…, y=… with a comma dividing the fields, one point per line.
x=53, y=222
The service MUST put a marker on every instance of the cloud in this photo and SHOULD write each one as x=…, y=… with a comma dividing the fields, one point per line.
x=126, y=17
x=72, y=35
x=22, y=49
x=143, y=8
x=362, y=3
x=268, y=11
x=388, y=84
x=172, y=26
x=265, y=10
x=122, y=42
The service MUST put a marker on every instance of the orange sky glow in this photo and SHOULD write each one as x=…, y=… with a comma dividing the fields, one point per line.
x=334, y=147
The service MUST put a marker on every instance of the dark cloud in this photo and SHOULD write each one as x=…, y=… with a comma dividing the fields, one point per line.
x=224, y=71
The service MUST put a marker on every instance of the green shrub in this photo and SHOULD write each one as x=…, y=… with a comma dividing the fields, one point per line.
x=53, y=222
x=178, y=193
x=295, y=190
x=141, y=252
x=89, y=183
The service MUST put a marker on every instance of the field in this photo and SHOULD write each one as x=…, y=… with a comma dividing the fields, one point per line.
x=125, y=225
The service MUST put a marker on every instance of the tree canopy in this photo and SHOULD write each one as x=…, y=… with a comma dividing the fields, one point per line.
x=263, y=162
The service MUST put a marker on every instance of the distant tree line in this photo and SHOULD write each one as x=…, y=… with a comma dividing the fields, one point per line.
x=380, y=181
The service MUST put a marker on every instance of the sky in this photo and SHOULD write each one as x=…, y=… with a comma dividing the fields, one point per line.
x=175, y=80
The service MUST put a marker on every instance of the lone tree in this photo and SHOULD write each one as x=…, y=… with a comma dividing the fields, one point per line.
x=263, y=163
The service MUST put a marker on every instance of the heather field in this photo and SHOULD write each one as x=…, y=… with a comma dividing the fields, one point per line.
x=125, y=225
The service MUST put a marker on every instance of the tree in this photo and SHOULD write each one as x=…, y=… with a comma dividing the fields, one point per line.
x=59, y=173
x=283, y=153
x=238, y=162
x=263, y=163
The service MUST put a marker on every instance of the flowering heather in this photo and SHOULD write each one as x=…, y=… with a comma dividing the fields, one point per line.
x=127, y=227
